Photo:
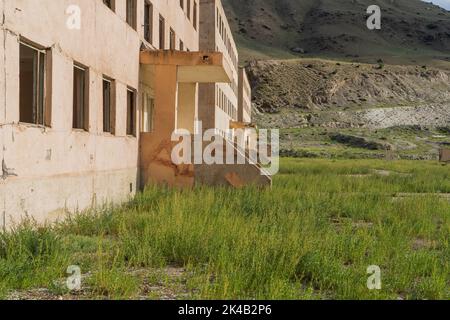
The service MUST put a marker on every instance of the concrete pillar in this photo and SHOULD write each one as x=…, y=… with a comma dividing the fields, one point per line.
x=166, y=89
x=156, y=147
x=186, y=112
x=206, y=105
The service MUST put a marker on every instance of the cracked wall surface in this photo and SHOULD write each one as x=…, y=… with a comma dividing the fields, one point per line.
x=49, y=171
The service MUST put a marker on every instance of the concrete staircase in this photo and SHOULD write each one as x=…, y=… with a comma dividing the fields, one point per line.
x=234, y=175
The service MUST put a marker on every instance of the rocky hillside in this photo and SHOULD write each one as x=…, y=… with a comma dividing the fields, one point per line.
x=336, y=88
x=341, y=94
x=313, y=84
x=411, y=29
x=401, y=109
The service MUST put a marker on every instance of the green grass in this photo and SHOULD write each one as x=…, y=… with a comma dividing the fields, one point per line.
x=408, y=142
x=312, y=236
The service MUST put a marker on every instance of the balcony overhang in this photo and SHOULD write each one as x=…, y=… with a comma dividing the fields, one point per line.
x=192, y=67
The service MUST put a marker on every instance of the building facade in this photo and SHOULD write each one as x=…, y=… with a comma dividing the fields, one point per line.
x=91, y=92
x=244, y=98
x=215, y=35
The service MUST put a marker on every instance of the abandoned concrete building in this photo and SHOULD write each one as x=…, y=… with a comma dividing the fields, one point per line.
x=92, y=90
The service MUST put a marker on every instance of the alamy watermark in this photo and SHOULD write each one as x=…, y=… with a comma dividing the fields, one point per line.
x=374, y=20
x=73, y=282
x=73, y=22
x=374, y=280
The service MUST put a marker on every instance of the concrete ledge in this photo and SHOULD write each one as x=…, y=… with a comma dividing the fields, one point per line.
x=242, y=125
x=193, y=67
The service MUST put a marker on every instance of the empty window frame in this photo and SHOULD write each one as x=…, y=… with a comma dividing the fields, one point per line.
x=217, y=17
x=131, y=112
x=194, y=18
x=162, y=33
x=80, y=98
x=181, y=45
x=110, y=4
x=172, y=39
x=147, y=124
x=148, y=21
x=188, y=9
x=32, y=86
x=109, y=103
x=131, y=12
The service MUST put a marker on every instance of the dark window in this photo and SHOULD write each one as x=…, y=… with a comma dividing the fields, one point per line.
x=110, y=4
x=162, y=33
x=181, y=46
x=131, y=13
x=80, y=98
x=147, y=114
x=148, y=22
x=194, y=19
x=131, y=112
x=188, y=9
x=108, y=105
x=182, y=4
x=32, y=85
x=172, y=39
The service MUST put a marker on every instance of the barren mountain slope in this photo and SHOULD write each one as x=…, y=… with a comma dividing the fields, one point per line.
x=328, y=108
x=336, y=88
x=337, y=28
x=313, y=84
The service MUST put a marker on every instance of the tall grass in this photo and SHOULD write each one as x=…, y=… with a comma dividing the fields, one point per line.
x=312, y=236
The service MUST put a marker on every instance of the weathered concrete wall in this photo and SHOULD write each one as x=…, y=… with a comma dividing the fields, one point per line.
x=175, y=18
x=156, y=164
x=174, y=77
x=207, y=104
x=48, y=171
x=211, y=38
x=175, y=106
x=187, y=112
x=58, y=169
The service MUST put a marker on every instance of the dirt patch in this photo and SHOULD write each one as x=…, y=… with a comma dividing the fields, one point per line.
x=358, y=142
x=340, y=223
x=155, y=284
x=419, y=244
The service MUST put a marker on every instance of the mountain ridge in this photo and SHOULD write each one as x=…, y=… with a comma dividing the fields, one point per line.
x=317, y=73
x=411, y=30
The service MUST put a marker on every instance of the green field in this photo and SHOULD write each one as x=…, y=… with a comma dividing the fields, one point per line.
x=406, y=142
x=312, y=236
